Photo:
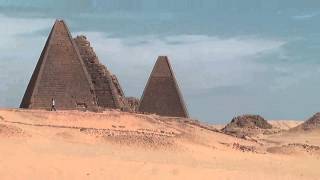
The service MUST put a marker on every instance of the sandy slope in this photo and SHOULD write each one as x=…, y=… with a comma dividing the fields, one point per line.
x=285, y=124
x=114, y=145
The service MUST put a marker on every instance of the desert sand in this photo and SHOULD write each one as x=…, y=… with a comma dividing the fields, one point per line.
x=285, y=124
x=37, y=144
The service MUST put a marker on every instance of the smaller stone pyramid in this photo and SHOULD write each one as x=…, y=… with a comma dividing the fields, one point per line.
x=311, y=124
x=161, y=94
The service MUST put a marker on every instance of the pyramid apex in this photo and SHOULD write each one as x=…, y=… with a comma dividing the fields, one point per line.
x=59, y=21
x=164, y=61
x=162, y=67
x=163, y=58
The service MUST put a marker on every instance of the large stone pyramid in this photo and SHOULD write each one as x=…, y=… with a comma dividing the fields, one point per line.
x=161, y=94
x=60, y=74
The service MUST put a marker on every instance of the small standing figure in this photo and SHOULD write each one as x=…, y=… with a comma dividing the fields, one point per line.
x=53, y=108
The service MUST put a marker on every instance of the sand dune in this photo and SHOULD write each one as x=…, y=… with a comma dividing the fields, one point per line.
x=285, y=124
x=116, y=145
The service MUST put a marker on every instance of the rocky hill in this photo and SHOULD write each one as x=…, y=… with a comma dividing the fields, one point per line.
x=247, y=125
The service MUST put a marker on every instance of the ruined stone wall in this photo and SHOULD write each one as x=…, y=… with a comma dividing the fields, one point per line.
x=106, y=86
x=117, y=85
x=133, y=103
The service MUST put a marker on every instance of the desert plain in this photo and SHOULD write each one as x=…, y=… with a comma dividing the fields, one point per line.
x=38, y=144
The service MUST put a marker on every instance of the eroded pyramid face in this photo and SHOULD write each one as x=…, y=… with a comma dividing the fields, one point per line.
x=162, y=95
x=59, y=74
x=107, y=88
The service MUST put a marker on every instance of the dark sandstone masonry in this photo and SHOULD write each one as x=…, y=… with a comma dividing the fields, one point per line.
x=161, y=94
x=106, y=86
x=60, y=74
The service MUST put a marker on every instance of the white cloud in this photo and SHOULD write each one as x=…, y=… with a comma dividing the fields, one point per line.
x=293, y=76
x=18, y=53
x=306, y=16
x=11, y=28
x=200, y=62
x=15, y=26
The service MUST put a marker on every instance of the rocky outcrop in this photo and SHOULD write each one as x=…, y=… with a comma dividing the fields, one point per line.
x=247, y=125
x=249, y=121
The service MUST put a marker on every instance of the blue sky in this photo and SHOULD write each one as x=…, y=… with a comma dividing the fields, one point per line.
x=230, y=57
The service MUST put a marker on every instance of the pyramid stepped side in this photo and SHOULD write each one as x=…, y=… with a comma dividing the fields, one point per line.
x=117, y=85
x=123, y=99
x=161, y=94
x=107, y=88
x=60, y=74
